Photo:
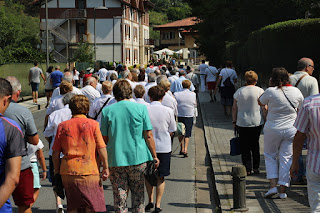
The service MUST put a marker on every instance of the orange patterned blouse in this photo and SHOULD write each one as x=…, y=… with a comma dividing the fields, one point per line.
x=78, y=139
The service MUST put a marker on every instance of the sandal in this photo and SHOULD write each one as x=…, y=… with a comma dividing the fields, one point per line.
x=185, y=154
x=156, y=210
x=148, y=207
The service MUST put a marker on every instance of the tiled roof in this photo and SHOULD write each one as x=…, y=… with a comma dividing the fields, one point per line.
x=191, y=21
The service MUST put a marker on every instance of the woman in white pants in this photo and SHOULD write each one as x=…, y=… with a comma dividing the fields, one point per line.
x=283, y=101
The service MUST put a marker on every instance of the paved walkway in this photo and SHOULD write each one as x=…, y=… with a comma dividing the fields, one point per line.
x=218, y=132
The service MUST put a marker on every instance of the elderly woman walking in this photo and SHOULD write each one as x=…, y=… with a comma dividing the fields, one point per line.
x=164, y=127
x=80, y=139
x=248, y=118
x=126, y=129
x=186, y=108
x=282, y=101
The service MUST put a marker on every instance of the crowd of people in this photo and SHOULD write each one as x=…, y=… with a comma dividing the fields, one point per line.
x=106, y=124
x=99, y=125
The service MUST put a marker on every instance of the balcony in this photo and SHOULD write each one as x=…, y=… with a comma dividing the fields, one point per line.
x=148, y=42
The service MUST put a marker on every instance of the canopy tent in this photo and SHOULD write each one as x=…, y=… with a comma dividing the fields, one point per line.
x=165, y=51
x=181, y=51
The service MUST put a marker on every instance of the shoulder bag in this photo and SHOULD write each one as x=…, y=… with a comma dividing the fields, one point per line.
x=300, y=80
x=289, y=100
x=105, y=103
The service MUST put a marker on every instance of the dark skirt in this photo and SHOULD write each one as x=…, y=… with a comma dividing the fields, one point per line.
x=164, y=166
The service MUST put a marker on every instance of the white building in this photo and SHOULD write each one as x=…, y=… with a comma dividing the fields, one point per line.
x=119, y=29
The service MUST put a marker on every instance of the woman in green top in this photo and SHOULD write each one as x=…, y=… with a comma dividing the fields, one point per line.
x=126, y=129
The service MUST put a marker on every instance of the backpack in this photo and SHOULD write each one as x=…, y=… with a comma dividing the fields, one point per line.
x=227, y=83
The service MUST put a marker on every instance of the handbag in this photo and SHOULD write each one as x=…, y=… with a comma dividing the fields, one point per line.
x=235, y=144
x=181, y=129
x=150, y=173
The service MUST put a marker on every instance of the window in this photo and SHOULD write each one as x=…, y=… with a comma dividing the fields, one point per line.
x=135, y=56
x=135, y=15
x=128, y=55
x=168, y=35
x=127, y=31
x=135, y=34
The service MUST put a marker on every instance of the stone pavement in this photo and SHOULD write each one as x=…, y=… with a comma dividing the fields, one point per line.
x=218, y=132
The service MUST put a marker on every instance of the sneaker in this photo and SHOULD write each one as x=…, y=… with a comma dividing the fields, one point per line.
x=283, y=195
x=59, y=209
x=271, y=192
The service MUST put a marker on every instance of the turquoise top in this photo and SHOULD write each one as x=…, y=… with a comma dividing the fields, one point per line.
x=124, y=123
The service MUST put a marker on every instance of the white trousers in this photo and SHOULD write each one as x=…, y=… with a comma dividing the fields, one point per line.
x=278, y=150
x=313, y=181
x=203, y=85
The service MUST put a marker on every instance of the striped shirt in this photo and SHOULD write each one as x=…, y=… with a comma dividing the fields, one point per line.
x=308, y=121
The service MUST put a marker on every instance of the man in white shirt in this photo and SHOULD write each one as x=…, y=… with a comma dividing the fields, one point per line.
x=308, y=86
x=303, y=79
x=151, y=83
x=202, y=68
x=103, y=73
x=99, y=103
x=90, y=90
x=67, y=76
x=211, y=73
x=173, y=76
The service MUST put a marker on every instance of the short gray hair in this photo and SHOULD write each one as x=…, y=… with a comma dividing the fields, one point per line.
x=15, y=83
x=160, y=78
x=67, y=76
x=90, y=80
x=66, y=99
x=125, y=74
x=57, y=67
x=152, y=77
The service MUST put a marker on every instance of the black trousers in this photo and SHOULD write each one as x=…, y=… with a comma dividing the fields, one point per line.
x=250, y=149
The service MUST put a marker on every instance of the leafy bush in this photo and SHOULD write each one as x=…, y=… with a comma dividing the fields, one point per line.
x=280, y=44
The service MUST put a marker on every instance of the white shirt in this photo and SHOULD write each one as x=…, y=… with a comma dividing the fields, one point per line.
x=249, y=111
x=147, y=87
x=91, y=93
x=97, y=104
x=76, y=76
x=211, y=73
x=113, y=82
x=56, y=92
x=32, y=149
x=55, y=104
x=202, y=68
x=161, y=126
x=99, y=88
x=308, y=84
x=193, y=78
x=169, y=101
x=54, y=120
x=150, y=70
x=143, y=83
x=186, y=103
x=281, y=114
x=103, y=74
x=172, y=79
x=141, y=101
x=109, y=74
x=228, y=72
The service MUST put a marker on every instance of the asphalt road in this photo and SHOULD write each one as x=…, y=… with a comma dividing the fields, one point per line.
x=181, y=192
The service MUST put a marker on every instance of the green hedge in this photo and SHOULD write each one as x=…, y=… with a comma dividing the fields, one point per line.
x=280, y=44
x=21, y=71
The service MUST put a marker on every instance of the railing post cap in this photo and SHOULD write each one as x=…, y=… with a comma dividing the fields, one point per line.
x=239, y=171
